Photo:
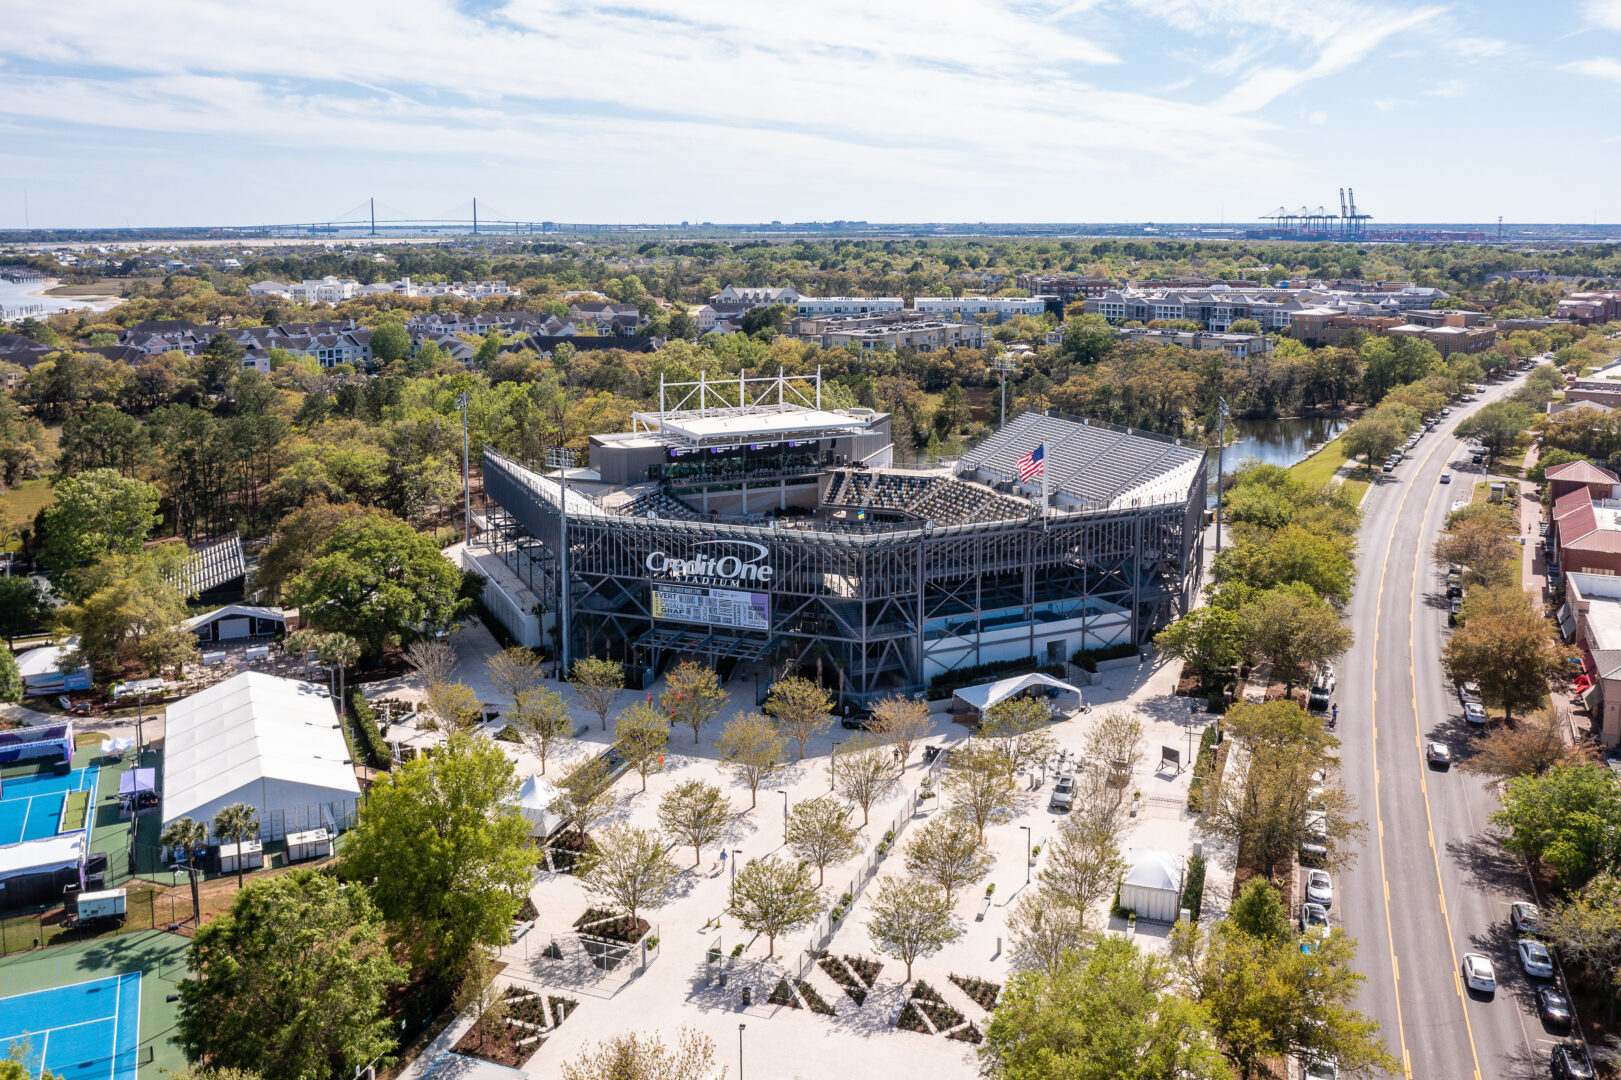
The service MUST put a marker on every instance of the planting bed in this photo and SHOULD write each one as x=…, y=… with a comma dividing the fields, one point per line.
x=561, y=1007
x=783, y=994
x=866, y=970
x=505, y=1043
x=601, y=923
x=842, y=975
x=968, y=1034
x=943, y=1015
x=912, y=1020
x=982, y=993
x=924, y=992
x=526, y=1005
x=814, y=1000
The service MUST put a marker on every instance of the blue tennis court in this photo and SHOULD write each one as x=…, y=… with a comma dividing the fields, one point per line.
x=87, y=1031
x=31, y=804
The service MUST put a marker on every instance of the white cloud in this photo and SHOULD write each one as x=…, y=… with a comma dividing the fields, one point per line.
x=1604, y=13
x=1318, y=117
x=1478, y=48
x=1452, y=88
x=1599, y=68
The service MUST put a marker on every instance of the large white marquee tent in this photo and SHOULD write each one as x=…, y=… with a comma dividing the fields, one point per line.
x=272, y=743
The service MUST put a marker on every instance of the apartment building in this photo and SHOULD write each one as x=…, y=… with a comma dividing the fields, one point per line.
x=1065, y=287
x=1448, y=339
x=848, y=305
x=1203, y=340
x=923, y=337
x=753, y=297
x=965, y=308
x=1319, y=327
x=1587, y=308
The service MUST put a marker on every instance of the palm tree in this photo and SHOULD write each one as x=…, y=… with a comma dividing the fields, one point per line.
x=188, y=835
x=237, y=823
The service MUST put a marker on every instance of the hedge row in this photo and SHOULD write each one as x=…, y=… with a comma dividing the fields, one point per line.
x=1193, y=889
x=1089, y=658
x=368, y=739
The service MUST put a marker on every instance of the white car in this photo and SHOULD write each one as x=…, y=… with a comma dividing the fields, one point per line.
x=1524, y=917
x=1438, y=753
x=1535, y=958
x=1319, y=1069
x=1474, y=712
x=1314, y=919
x=1320, y=888
x=1478, y=973
x=1469, y=692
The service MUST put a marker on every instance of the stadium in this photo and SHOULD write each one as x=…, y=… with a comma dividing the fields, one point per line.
x=744, y=524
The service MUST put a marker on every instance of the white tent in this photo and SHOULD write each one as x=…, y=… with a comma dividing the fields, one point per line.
x=272, y=743
x=1064, y=697
x=235, y=622
x=41, y=670
x=534, y=800
x=61, y=852
x=1152, y=886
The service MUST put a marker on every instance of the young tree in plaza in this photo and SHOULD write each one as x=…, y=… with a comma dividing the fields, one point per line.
x=1207, y=639
x=1017, y=730
x=753, y=750
x=1114, y=743
x=863, y=772
x=448, y=852
x=695, y=812
x=801, y=709
x=1041, y=932
x=902, y=722
x=1082, y=865
x=598, y=683
x=585, y=796
x=630, y=869
x=454, y=705
x=910, y=919
x=819, y=832
x=692, y=696
x=305, y=950
x=772, y=896
x=640, y=737
x=542, y=721
x=980, y=786
x=433, y=661
x=515, y=672
x=634, y=1056
x=945, y=853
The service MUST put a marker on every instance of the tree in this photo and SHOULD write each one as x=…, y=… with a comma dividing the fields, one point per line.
x=1083, y=864
x=1207, y=639
x=697, y=813
x=1534, y=745
x=103, y=438
x=1293, y=554
x=772, y=896
x=945, y=853
x=1114, y=743
x=801, y=709
x=336, y=651
x=477, y=993
x=1496, y=426
x=1484, y=547
x=299, y=537
x=11, y=679
x=818, y=832
x=1017, y=730
x=95, y=513
x=454, y=705
x=390, y=341
x=541, y=719
x=448, y=851
x=585, y=796
x=1260, y=913
x=598, y=683
x=302, y=949
x=692, y=696
x=381, y=582
x=18, y=1063
x=753, y=749
x=1106, y=1012
x=23, y=607
x=631, y=869
x=1372, y=439
x=1568, y=819
x=903, y=722
x=1041, y=932
x=910, y=919
x=236, y=824
x=1509, y=651
x=862, y=772
x=1294, y=629
x=633, y=1056
x=515, y=672
x=130, y=613
x=980, y=786
x=640, y=737
x=1586, y=929
x=433, y=661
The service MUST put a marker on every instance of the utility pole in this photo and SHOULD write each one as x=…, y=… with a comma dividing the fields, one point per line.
x=475, y=215
x=374, y=215
x=562, y=460
x=467, y=484
x=1003, y=366
x=1221, y=449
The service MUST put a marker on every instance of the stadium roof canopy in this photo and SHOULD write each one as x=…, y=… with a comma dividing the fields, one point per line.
x=718, y=428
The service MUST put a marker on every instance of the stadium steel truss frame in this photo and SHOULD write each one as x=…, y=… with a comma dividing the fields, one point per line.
x=888, y=606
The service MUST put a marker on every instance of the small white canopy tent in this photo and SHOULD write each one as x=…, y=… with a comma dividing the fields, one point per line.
x=534, y=800
x=237, y=622
x=1063, y=697
x=1152, y=886
x=272, y=743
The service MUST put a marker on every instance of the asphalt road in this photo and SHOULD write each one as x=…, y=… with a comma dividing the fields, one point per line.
x=1429, y=882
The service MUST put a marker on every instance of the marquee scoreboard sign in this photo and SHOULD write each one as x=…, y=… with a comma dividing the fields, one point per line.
x=717, y=607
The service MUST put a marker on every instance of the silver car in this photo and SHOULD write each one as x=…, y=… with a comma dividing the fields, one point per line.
x=1320, y=888
x=1063, y=793
x=1535, y=958
x=1478, y=973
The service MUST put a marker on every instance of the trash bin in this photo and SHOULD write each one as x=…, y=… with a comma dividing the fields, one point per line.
x=748, y=997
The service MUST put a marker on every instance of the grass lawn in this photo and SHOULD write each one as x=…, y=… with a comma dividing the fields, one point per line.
x=19, y=504
x=1321, y=467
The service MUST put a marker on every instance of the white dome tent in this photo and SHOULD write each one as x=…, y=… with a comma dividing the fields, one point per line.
x=1152, y=886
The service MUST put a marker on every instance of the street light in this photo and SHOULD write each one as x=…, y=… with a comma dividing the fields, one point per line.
x=467, y=484
x=784, y=795
x=737, y=857
x=1026, y=829
x=830, y=761
x=740, y=1028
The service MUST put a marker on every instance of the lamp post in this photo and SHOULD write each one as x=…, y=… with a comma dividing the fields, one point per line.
x=737, y=856
x=1026, y=829
x=830, y=764
x=562, y=460
x=784, y=795
x=467, y=484
x=740, y=1028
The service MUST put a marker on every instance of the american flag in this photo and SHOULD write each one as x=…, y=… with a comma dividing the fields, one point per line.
x=1031, y=464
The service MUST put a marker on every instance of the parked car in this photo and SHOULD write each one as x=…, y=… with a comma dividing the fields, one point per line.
x=1535, y=959
x=1554, y=1008
x=1313, y=919
x=1319, y=1069
x=1474, y=712
x=1320, y=888
x=1063, y=793
x=1570, y=1062
x=1469, y=692
x=1438, y=753
x=1454, y=591
x=1525, y=917
x=1446, y=410
x=1452, y=615
x=1478, y=973
x=1446, y=478
x=1315, y=846
x=1387, y=467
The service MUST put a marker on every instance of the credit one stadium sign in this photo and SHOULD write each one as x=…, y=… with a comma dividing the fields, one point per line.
x=729, y=569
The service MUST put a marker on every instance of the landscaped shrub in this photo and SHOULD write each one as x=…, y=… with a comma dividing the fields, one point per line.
x=368, y=739
x=924, y=992
x=561, y=1007
x=783, y=994
x=947, y=681
x=943, y=1015
x=981, y=992
x=814, y=1000
x=1193, y=890
x=866, y=970
x=968, y=1034
x=840, y=974
x=911, y=1020
x=1088, y=659
x=1204, y=768
x=526, y=911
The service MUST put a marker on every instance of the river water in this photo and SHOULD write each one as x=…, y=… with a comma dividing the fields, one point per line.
x=17, y=300
x=1273, y=442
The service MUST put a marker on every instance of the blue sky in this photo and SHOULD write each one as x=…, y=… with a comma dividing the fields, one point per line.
x=189, y=112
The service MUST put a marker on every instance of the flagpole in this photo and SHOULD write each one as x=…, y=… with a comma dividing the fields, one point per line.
x=1043, y=485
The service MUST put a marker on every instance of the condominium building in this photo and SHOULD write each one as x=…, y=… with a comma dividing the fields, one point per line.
x=963, y=308
x=848, y=305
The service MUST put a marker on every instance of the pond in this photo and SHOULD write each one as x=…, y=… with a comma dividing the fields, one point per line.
x=1274, y=442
